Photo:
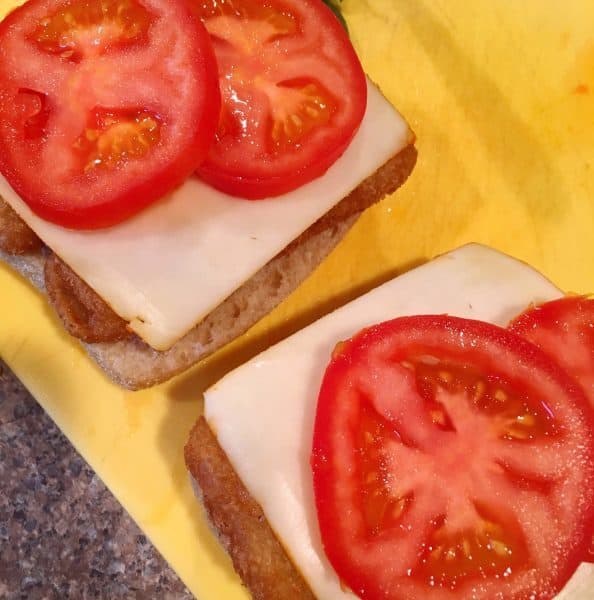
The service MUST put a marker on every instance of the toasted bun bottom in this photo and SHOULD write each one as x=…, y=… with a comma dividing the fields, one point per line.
x=239, y=523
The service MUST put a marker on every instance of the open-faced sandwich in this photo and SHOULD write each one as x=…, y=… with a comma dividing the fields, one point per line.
x=432, y=439
x=170, y=170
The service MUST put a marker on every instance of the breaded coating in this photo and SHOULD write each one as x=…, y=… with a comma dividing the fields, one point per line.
x=242, y=528
x=16, y=237
x=83, y=312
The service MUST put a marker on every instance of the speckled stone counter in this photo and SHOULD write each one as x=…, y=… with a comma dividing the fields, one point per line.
x=62, y=533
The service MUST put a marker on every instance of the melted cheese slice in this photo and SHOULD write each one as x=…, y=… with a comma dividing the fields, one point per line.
x=263, y=412
x=165, y=269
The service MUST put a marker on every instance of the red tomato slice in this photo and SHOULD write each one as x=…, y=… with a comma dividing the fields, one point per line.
x=293, y=90
x=564, y=329
x=451, y=460
x=104, y=106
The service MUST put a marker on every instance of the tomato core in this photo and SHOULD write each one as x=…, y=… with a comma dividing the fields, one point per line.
x=442, y=447
x=450, y=555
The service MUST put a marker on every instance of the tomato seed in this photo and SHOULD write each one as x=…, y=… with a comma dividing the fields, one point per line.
x=527, y=420
x=479, y=390
x=500, y=395
x=499, y=547
x=450, y=554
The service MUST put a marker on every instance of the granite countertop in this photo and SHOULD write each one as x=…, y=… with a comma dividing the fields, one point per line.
x=62, y=533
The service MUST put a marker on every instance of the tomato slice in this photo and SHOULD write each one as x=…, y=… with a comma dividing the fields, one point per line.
x=104, y=106
x=451, y=459
x=293, y=91
x=564, y=329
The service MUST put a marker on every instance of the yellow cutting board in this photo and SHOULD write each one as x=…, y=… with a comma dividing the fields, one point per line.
x=501, y=96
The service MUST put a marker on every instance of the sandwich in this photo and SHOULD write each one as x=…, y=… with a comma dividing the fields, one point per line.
x=458, y=503
x=196, y=236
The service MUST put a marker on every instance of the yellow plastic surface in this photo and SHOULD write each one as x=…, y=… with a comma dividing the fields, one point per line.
x=501, y=96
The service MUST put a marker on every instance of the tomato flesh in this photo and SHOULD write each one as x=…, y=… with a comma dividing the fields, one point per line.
x=293, y=91
x=451, y=459
x=105, y=106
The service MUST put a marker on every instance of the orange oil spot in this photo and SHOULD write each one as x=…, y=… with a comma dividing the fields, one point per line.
x=581, y=89
x=581, y=74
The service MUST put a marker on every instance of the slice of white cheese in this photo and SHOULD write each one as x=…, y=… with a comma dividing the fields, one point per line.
x=263, y=412
x=167, y=268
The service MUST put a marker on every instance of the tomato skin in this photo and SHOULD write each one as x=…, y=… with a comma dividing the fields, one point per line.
x=242, y=162
x=334, y=468
x=43, y=169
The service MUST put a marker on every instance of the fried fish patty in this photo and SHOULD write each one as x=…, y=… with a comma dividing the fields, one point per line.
x=83, y=312
x=242, y=528
x=16, y=237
